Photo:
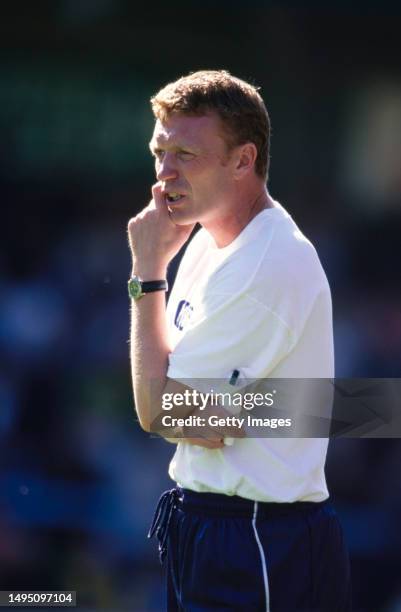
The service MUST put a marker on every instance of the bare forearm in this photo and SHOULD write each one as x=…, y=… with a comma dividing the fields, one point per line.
x=149, y=355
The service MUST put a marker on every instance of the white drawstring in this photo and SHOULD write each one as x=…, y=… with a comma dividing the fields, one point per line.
x=262, y=555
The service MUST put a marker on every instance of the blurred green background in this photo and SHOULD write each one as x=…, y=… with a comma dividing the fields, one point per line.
x=78, y=478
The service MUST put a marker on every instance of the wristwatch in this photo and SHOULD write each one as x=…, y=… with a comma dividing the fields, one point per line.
x=138, y=288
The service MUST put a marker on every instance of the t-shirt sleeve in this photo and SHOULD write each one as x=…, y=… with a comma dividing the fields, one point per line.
x=240, y=334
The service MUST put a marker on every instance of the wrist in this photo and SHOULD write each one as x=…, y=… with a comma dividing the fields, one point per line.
x=149, y=272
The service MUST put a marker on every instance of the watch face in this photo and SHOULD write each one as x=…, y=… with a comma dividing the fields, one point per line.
x=135, y=288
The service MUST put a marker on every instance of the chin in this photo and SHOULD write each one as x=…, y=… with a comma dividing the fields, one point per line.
x=180, y=218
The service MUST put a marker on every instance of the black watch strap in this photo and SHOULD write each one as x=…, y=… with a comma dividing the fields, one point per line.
x=157, y=285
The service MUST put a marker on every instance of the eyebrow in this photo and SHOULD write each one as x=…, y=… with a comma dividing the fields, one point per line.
x=157, y=146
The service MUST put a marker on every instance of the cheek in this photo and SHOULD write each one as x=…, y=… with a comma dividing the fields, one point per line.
x=206, y=178
x=221, y=180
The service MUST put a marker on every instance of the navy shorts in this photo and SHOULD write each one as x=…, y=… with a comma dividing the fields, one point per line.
x=228, y=553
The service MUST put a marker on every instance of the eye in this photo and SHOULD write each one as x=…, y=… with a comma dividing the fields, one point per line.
x=158, y=153
x=185, y=155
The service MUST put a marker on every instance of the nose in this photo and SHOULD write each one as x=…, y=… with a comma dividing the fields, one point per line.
x=166, y=168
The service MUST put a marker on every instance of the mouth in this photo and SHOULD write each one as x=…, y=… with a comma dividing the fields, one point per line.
x=172, y=197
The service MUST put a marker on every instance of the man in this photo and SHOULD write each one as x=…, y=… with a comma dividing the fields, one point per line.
x=249, y=526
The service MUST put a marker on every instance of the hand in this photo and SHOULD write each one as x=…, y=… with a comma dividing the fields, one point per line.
x=205, y=442
x=212, y=437
x=154, y=239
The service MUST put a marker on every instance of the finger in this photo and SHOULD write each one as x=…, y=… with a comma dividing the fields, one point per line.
x=205, y=433
x=230, y=431
x=201, y=433
x=158, y=198
x=205, y=443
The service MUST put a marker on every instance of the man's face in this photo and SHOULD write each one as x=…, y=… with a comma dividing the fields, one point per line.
x=193, y=168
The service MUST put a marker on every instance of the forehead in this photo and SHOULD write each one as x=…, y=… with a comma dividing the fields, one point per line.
x=179, y=130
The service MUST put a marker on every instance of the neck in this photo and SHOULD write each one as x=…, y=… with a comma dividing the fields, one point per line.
x=227, y=228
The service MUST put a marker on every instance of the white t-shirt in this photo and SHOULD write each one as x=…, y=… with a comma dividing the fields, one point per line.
x=261, y=306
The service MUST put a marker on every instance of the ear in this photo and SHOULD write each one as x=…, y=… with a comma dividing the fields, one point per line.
x=245, y=158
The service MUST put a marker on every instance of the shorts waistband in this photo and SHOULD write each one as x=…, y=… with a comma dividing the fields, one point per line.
x=217, y=504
